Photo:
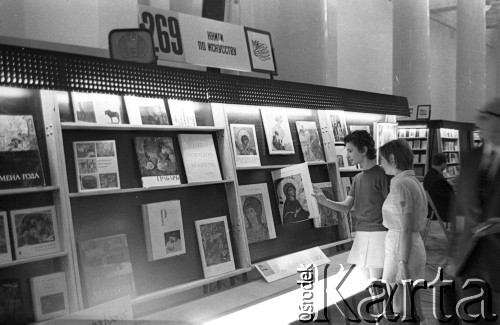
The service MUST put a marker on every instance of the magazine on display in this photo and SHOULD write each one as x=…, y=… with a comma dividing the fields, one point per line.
x=257, y=212
x=157, y=161
x=294, y=191
x=50, y=296
x=339, y=125
x=20, y=162
x=199, y=157
x=328, y=217
x=277, y=130
x=34, y=232
x=385, y=132
x=96, y=165
x=163, y=229
x=246, y=150
x=106, y=269
x=97, y=108
x=310, y=141
x=146, y=111
x=215, y=246
x=182, y=112
x=5, y=250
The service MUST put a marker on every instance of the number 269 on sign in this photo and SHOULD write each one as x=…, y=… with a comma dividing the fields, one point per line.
x=165, y=28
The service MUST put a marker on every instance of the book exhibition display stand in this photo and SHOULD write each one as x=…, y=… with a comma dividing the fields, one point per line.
x=92, y=175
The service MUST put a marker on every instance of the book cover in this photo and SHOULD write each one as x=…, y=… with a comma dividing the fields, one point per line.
x=182, y=112
x=50, y=296
x=146, y=111
x=163, y=229
x=5, y=251
x=294, y=191
x=106, y=270
x=157, y=161
x=97, y=108
x=215, y=246
x=387, y=132
x=96, y=165
x=310, y=141
x=277, y=130
x=199, y=157
x=257, y=212
x=346, y=184
x=11, y=302
x=339, y=125
x=34, y=232
x=246, y=150
x=327, y=217
x=20, y=163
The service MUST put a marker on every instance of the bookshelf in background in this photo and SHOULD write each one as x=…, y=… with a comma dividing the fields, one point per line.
x=449, y=144
x=417, y=137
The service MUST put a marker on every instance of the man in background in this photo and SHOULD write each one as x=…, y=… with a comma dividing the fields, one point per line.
x=440, y=191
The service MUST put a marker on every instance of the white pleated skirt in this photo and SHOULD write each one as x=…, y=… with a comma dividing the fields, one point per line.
x=368, y=249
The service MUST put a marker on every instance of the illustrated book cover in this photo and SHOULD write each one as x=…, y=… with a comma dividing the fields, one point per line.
x=146, y=111
x=294, y=191
x=20, y=162
x=182, y=112
x=163, y=229
x=339, y=125
x=257, y=212
x=277, y=130
x=11, y=302
x=97, y=108
x=106, y=270
x=199, y=157
x=34, y=232
x=310, y=141
x=246, y=150
x=5, y=251
x=327, y=217
x=157, y=161
x=50, y=296
x=386, y=132
x=96, y=165
x=215, y=246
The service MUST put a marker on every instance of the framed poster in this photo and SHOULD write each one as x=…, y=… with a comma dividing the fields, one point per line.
x=423, y=112
x=260, y=50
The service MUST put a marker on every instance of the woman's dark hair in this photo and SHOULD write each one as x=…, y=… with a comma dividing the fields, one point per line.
x=360, y=139
x=400, y=149
x=254, y=203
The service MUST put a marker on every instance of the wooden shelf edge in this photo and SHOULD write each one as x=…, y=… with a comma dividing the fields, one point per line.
x=131, y=127
x=28, y=190
x=337, y=243
x=345, y=169
x=34, y=259
x=186, y=286
x=142, y=189
x=313, y=163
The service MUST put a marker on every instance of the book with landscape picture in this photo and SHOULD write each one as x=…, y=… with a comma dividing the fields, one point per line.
x=11, y=302
x=106, y=270
x=50, y=296
x=97, y=108
x=34, y=232
x=5, y=251
x=157, y=161
x=294, y=191
x=20, y=162
x=96, y=165
x=215, y=246
x=146, y=111
x=199, y=157
x=257, y=212
x=327, y=217
x=163, y=229
x=310, y=141
x=182, y=112
x=246, y=150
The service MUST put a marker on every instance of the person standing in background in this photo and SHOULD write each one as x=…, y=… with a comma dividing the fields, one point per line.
x=440, y=191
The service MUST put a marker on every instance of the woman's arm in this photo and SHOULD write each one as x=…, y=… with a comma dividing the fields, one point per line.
x=405, y=235
x=344, y=206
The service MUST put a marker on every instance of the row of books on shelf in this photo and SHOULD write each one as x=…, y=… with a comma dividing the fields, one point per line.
x=412, y=133
x=420, y=159
x=452, y=157
x=448, y=133
x=450, y=146
x=418, y=144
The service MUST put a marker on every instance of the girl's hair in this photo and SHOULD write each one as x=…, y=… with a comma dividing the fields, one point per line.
x=360, y=139
x=400, y=149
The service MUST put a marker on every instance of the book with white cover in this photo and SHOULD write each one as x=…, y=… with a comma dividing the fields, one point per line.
x=215, y=246
x=246, y=150
x=310, y=141
x=96, y=165
x=163, y=229
x=182, y=112
x=34, y=232
x=199, y=157
x=146, y=111
x=257, y=212
x=50, y=296
x=97, y=108
x=294, y=191
x=277, y=130
x=5, y=251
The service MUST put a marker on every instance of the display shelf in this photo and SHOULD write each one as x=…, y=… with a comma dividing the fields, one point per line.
x=29, y=190
x=315, y=163
x=34, y=259
x=129, y=127
x=347, y=169
x=444, y=151
x=335, y=244
x=141, y=189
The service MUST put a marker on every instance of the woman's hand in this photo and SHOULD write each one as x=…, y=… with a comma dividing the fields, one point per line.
x=319, y=195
